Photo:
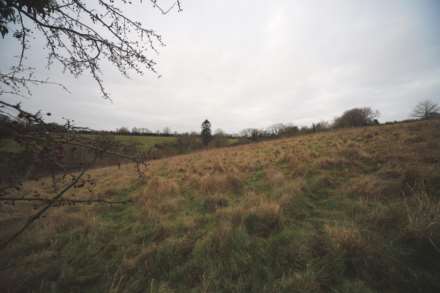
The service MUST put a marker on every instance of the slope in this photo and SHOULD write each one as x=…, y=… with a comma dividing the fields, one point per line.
x=354, y=210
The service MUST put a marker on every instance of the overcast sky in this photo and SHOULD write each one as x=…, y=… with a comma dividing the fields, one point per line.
x=254, y=63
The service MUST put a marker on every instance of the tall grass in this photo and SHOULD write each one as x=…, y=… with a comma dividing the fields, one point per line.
x=355, y=210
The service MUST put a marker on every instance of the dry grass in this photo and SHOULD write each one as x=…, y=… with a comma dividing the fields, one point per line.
x=219, y=183
x=346, y=237
x=374, y=187
x=243, y=219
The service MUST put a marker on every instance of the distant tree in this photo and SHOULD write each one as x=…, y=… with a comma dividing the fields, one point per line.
x=275, y=129
x=289, y=130
x=219, y=132
x=305, y=129
x=166, y=131
x=247, y=132
x=252, y=133
x=55, y=127
x=426, y=109
x=206, y=132
x=356, y=117
x=123, y=130
x=320, y=126
x=219, y=139
x=144, y=130
x=187, y=142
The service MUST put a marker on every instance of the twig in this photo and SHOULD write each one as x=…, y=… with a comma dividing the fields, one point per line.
x=64, y=201
x=42, y=211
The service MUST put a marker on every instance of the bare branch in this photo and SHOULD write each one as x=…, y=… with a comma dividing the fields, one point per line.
x=80, y=37
x=37, y=215
x=61, y=202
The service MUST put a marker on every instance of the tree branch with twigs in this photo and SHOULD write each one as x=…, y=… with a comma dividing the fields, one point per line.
x=42, y=152
x=80, y=36
x=426, y=109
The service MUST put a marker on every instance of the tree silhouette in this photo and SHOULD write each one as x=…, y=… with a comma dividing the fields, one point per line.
x=206, y=132
x=80, y=36
x=426, y=109
x=356, y=117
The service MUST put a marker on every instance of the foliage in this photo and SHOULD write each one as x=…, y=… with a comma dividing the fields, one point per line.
x=206, y=132
x=357, y=117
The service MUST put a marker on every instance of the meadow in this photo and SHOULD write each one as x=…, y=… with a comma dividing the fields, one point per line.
x=349, y=210
x=143, y=142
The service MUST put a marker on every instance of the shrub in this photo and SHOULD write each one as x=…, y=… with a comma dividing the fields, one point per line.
x=356, y=117
x=219, y=141
x=187, y=143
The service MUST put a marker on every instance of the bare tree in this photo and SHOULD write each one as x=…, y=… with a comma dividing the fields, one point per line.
x=426, y=109
x=275, y=129
x=253, y=134
x=321, y=126
x=79, y=35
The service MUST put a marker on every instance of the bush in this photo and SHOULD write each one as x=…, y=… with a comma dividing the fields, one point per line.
x=186, y=143
x=219, y=141
x=357, y=117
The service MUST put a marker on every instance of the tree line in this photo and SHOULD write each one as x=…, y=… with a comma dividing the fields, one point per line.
x=356, y=117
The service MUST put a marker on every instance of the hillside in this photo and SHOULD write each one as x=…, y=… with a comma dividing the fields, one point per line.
x=354, y=210
x=143, y=142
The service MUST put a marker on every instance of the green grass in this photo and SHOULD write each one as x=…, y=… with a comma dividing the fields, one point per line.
x=273, y=217
x=144, y=142
x=9, y=146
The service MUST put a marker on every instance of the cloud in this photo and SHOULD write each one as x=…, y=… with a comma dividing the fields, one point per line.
x=254, y=63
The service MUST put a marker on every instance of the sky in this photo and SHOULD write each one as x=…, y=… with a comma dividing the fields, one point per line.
x=254, y=63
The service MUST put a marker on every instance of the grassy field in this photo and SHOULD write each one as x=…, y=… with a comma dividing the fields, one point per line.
x=354, y=210
x=144, y=143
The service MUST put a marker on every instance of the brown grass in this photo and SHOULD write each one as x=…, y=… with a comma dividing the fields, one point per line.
x=219, y=183
x=373, y=187
x=281, y=190
x=346, y=237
